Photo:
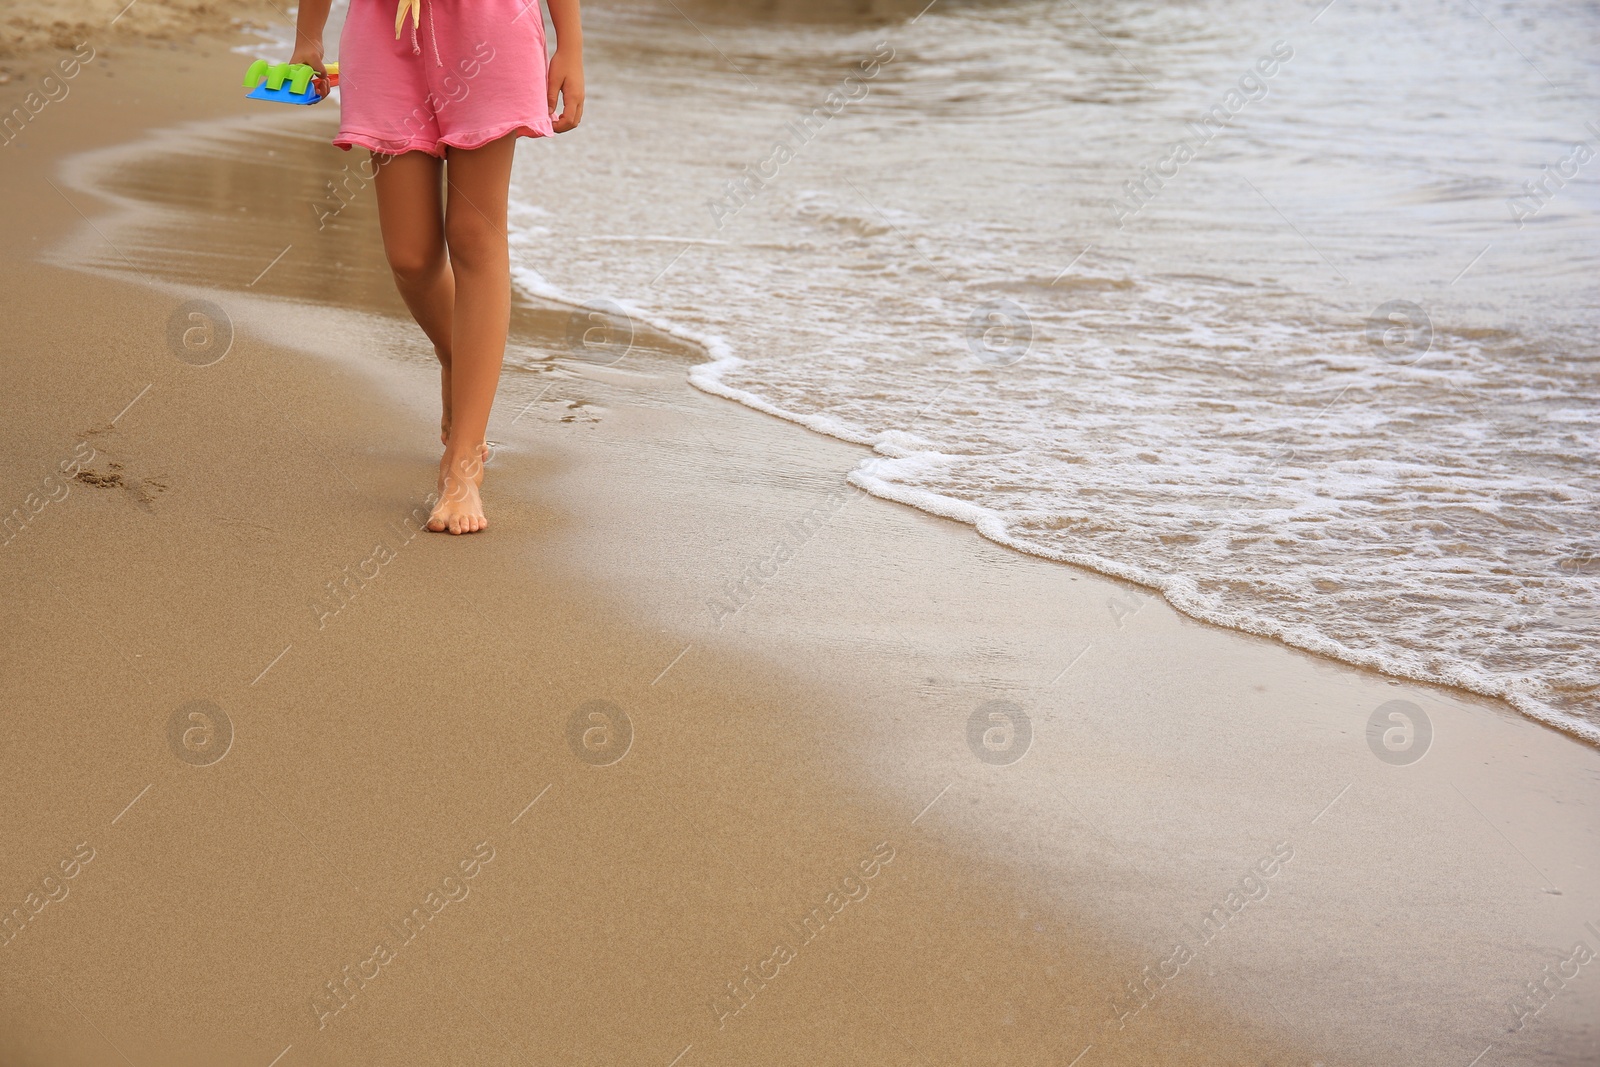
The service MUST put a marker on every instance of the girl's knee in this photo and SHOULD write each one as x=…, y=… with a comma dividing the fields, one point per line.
x=474, y=240
x=414, y=263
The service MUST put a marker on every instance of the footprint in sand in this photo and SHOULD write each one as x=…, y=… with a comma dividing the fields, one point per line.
x=143, y=490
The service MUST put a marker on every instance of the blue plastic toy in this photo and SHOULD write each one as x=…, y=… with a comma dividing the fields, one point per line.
x=286, y=83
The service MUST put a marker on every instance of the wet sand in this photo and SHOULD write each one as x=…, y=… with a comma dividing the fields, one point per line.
x=411, y=840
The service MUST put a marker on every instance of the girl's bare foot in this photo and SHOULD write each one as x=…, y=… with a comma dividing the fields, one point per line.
x=460, y=507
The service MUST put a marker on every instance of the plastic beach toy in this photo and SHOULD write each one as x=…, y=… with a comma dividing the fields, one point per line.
x=286, y=83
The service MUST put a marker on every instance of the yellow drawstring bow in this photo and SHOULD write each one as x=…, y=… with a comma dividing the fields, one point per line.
x=414, y=8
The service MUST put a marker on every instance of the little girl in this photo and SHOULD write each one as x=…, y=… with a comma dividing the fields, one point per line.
x=442, y=89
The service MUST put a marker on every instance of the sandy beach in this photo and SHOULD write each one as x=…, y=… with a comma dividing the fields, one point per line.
x=699, y=755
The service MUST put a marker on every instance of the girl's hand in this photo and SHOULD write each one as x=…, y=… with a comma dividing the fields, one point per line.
x=310, y=53
x=566, y=79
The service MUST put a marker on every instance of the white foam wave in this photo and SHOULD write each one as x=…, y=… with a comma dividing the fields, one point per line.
x=1194, y=401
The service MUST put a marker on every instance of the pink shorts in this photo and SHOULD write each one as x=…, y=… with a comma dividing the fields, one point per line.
x=472, y=72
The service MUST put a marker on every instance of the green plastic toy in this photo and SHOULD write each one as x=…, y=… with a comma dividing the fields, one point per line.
x=286, y=83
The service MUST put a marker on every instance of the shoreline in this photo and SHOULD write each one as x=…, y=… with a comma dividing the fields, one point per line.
x=989, y=524
x=835, y=709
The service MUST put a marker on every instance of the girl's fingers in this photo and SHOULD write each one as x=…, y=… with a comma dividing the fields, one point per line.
x=571, y=115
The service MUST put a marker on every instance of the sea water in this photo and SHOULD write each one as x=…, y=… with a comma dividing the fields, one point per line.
x=1287, y=310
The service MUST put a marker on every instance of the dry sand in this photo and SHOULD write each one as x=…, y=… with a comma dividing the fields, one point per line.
x=405, y=751
x=31, y=29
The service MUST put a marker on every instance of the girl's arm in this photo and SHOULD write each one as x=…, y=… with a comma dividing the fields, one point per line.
x=309, y=24
x=566, y=66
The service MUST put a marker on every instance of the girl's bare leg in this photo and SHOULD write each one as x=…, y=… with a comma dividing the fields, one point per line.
x=478, y=181
x=411, y=216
